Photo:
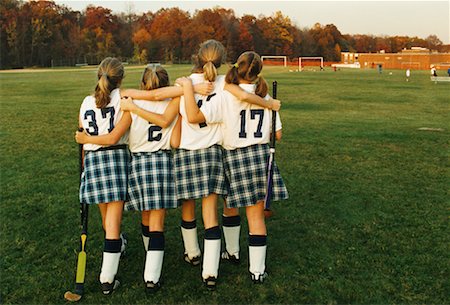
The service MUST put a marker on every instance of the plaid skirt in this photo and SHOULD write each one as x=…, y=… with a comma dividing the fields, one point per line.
x=151, y=184
x=199, y=173
x=246, y=173
x=105, y=176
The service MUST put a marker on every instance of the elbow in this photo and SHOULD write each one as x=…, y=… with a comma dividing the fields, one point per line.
x=191, y=120
x=195, y=120
x=278, y=135
x=113, y=140
x=164, y=124
x=244, y=96
x=156, y=96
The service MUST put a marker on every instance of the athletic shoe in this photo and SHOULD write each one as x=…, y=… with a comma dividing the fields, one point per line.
x=259, y=278
x=124, y=239
x=231, y=258
x=195, y=261
x=210, y=282
x=108, y=288
x=151, y=287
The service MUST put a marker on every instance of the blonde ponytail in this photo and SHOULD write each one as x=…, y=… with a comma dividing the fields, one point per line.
x=209, y=71
x=209, y=58
x=110, y=74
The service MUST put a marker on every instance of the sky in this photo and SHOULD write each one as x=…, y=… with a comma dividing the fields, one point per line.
x=376, y=17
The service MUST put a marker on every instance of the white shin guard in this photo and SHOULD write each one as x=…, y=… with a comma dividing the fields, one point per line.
x=257, y=258
x=153, y=266
x=211, y=258
x=190, y=240
x=231, y=235
x=110, y=265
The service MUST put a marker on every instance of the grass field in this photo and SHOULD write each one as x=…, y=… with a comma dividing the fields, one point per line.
x=366, y=223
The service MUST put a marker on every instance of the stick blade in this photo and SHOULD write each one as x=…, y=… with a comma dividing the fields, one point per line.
x=81, y=267
x=72, y=297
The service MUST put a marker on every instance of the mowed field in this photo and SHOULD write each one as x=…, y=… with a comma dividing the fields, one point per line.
x=366, y=223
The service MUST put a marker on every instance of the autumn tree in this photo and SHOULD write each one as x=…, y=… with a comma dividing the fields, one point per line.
x=166, y=33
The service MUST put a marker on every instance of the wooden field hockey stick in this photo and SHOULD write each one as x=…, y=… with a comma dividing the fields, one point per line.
x=270, y=164
x=81, y=262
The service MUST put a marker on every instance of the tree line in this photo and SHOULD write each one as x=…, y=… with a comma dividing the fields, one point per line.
x=42, y=33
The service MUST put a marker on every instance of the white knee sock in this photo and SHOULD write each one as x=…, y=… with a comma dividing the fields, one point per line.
x=153, y=266
x=211, y=255
x=154, y=258
x=190, y=238
x=111, y=259
x=257, y=253
x=231, y=233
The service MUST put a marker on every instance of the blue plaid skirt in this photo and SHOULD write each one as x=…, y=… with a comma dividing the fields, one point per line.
x=246, y=174
x=105, y=176
x=199, y=173
x=151, y=184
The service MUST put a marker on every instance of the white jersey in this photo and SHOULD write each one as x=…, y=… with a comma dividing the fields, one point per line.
x=199, y=136
x=244, y=124
x=101, y=121
x=146, y=136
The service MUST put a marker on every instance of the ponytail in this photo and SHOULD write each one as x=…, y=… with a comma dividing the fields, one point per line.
x=261, y=87
x=232, y=76
x=110, y=74
x=209, y=58
x=209, y=71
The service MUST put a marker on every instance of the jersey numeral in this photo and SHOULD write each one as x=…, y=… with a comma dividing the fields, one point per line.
x=200, y=103
x=93, y=127
x=154, y=133
x=253, y=114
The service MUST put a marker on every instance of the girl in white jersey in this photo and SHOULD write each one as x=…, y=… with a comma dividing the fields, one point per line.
x=198, y=162
x=104, y=178
x=246, y=132
x=151, y=184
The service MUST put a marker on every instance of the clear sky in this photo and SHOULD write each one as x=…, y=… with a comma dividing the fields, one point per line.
x=377, y=17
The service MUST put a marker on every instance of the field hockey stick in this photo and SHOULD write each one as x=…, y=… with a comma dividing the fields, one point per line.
x=270, y=164
x=81, y=262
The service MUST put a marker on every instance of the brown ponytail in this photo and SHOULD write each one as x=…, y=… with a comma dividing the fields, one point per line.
x=261, y=87
x=110, y=74
x=232, y=76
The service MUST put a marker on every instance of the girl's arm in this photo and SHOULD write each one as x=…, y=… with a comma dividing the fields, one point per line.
x=163, y=120
x=194, y=115
x=278, y=135
x=175, y=137
x=108, y=139
x=161, y=94
x=251, y=98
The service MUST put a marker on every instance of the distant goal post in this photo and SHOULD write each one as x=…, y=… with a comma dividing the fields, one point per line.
x=268, y=58
x=304, y=59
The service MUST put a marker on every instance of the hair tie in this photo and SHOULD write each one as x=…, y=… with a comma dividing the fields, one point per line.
x=105, y=74
x=236, y=65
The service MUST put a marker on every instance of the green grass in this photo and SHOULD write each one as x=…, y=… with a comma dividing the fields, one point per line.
x=366, y=222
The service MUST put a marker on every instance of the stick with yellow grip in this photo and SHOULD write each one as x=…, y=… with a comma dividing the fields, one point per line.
x=81, y=262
